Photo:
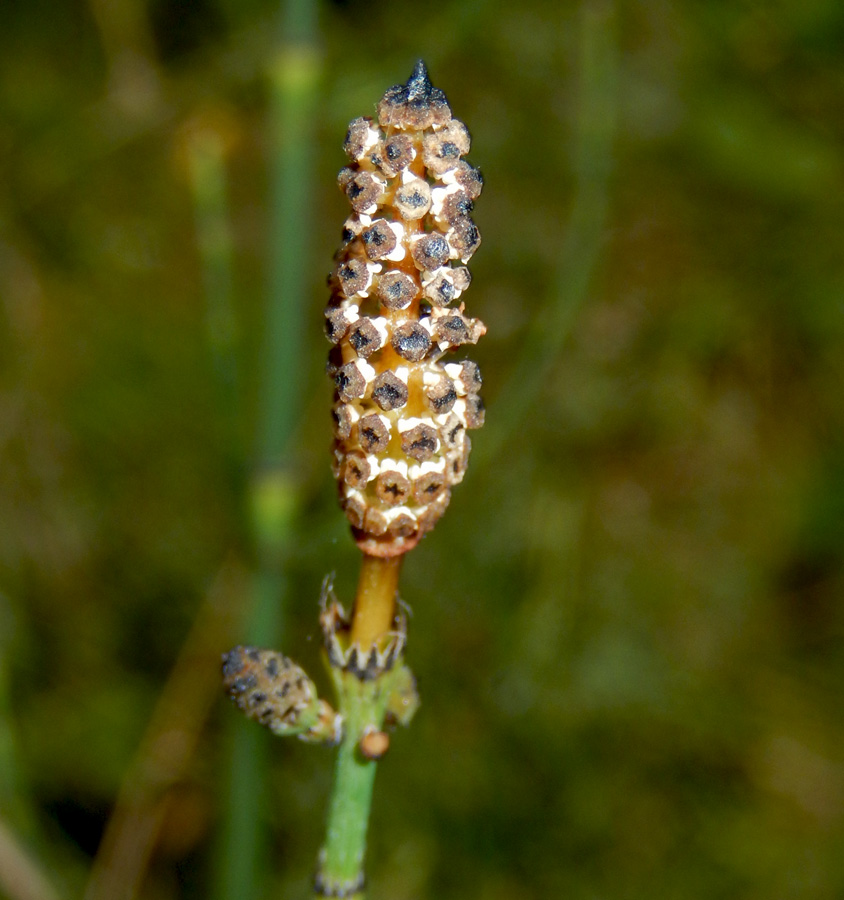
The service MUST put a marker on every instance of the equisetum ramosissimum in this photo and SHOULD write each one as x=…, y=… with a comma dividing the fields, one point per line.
x=404, y=402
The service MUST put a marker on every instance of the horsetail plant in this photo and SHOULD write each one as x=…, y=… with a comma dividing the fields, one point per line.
x=401, y=412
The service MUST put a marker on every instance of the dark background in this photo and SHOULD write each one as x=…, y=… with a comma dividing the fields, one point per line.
x=627, y=628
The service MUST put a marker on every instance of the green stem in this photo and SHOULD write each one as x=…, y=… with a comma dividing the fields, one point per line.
x=363, y=704
x=206, y=165
x=341, y=860
x=242, y=851
x=294, y=80
x=273, y=500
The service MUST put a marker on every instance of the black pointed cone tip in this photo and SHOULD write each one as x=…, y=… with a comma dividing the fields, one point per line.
x=416, y=104
x=419, y=84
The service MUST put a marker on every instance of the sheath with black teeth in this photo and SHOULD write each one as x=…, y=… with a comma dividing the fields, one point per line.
x=402, y=409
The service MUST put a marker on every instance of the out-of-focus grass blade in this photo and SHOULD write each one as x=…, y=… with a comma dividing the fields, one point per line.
x=294, y=81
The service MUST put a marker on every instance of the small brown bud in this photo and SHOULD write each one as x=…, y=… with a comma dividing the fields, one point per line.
x=374, y=744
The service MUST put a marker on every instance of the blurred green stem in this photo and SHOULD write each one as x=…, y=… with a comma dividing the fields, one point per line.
x=206, y=163
x=294, y=79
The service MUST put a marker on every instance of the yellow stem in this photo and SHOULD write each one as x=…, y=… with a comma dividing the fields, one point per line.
x=375, y=603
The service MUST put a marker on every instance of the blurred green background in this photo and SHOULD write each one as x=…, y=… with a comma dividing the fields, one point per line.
x=627, y=630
